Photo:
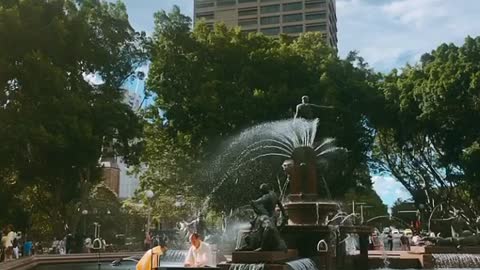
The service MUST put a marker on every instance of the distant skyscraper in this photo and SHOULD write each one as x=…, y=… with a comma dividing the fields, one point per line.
x=115, y=171
x=273, y=17
x=111, y=175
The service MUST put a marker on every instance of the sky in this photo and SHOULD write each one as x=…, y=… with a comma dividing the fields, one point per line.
x=387, y=33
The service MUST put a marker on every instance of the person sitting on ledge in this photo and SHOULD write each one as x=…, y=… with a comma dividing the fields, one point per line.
x=199, y=254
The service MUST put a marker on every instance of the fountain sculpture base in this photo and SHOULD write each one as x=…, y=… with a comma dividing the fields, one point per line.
x=272, y=260
x=263, y=256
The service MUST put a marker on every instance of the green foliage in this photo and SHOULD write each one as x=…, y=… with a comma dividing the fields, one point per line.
x=211, y=84
x=105, y=208
x=168, y=173
x=54, y=123
x=429, y=140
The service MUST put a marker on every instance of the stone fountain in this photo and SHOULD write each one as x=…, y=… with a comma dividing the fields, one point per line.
x=312, y=240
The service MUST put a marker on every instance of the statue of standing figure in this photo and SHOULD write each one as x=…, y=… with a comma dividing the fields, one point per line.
x=306, y=111
x=264, y=234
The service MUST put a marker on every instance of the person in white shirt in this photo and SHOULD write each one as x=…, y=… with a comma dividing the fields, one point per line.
x=199, y=254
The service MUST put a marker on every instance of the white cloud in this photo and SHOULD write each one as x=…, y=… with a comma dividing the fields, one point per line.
x=389, y=189
x=390, y=33
x=93, y=79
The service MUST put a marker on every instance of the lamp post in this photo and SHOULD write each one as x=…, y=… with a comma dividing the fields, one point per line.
x=84, y=214
x=149, y=194
x=362, y=207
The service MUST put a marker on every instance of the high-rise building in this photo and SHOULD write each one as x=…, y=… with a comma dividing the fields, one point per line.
x=114, y=170
x=273, y=17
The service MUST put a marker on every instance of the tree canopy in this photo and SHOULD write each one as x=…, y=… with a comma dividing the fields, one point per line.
x=210, y=84
x=55, y=123
x=430, y=140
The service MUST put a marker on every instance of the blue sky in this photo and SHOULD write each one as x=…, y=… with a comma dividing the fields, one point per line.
x=387, y=33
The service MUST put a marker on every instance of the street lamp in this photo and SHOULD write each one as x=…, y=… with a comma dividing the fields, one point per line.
x=149, y=194
x=84, y=214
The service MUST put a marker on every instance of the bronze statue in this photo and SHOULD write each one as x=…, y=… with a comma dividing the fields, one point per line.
x=264, y=234
x=467, y=238
x=306, y=110
x=266, y=204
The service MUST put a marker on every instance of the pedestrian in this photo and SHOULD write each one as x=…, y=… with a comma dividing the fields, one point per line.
x=8, y=242
x=371, y=245
x=405, y=243
x=3, y=245
x=27, y=247
x=148, y=241
x=68, y=243
x=15, y=246
x=390, y=241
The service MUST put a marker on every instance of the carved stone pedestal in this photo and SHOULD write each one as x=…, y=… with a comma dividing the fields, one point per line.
x=273, y=260
x=264, y=256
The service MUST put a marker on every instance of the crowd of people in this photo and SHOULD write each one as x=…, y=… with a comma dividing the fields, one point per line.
x=14, y=245
x=385, y=241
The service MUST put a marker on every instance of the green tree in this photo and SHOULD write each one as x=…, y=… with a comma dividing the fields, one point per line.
x=212, y=83
x=166, y=170
x=55, y=123
x=430, y=140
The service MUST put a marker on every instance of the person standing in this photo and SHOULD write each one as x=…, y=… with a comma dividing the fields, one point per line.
x=148, y=241
x=8, y=244
x=3, y=246
x=405, y=243
x=68, y=243
x=15, y=246
x=199, y=254
x=27, y=247
x=390, y=241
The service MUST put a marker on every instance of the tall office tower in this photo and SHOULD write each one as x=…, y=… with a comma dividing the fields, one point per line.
x=273, y=17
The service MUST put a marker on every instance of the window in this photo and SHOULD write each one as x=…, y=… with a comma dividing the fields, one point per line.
x=293, y=29
x=248, y=22
x=249, y=31
x=293, y=17
x=292, y=6
x=270, y=20
x=205, y=15
x=246, y=1
x=271, y=31
x=270, y=9
x=317, y=4
x=315, y=16
x=316, y=27
x=247, y=11
x=224, y=3
x=204, y=4
x=316, y=1
x=266, y=1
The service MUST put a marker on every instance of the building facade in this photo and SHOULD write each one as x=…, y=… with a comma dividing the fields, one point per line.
x=114, y=170
x=273, y=17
